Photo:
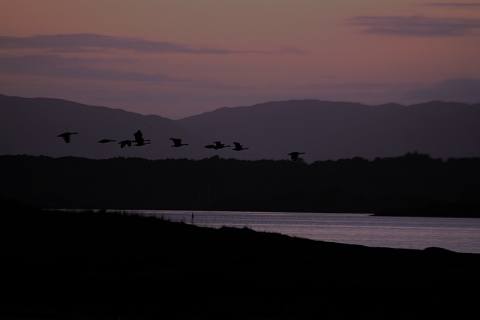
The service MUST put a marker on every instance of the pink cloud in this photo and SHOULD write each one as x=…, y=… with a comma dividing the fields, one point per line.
x=92, y=42
x=56, y=66
x=415, y=25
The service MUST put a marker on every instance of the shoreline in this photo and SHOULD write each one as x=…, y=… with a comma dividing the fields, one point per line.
x=100, y=265
x=391, y=213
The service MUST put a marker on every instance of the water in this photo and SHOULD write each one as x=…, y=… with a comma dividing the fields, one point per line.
x=456, y=234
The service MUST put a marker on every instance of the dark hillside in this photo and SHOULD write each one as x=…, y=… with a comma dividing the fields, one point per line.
x=413, y=183
x=97, y=265
x=31, y=125
x=324, y=130
x=336, y=130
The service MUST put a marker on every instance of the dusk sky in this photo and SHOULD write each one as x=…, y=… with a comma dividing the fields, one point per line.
x=184, y=57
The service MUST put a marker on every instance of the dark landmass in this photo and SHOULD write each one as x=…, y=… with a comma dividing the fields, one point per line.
x=465, y=209
x=99, y=265
x=413, y=184
x=322, y=129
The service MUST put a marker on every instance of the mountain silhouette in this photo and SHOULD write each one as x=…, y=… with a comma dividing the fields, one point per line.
x=323, y=130
x=36, y=122
x=336, y=130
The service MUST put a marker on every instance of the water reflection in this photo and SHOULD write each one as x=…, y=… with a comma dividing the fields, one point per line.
x=456, y=234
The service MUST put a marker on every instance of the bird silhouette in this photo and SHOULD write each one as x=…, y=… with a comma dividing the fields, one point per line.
x=294, y=155
x=219, y=145
x=139, y=140
x=216, y=145
x=141, y=143
x=238, y=147
x=124, y=143
x=178, y=142
x=66, y=136
x=106, y=141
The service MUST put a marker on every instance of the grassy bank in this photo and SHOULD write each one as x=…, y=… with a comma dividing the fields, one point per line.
x=100, y=265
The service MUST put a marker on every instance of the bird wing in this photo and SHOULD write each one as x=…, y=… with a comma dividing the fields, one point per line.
x=138, y=135
x=125, y=143
x=65, y=136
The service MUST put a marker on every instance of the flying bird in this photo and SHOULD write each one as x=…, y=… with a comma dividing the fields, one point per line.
x=178, y=142
x=216, y=145
x=139, y=140
x=294, y=155
x=66, y=136
x=106, y=141
x=238, y=147
x=124, y=143
x=219, y=145
x=141, y=143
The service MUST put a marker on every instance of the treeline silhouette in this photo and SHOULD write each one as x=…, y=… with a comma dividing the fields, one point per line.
x=413, y=184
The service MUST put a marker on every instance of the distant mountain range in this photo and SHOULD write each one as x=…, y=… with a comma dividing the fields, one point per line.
x=323, y=130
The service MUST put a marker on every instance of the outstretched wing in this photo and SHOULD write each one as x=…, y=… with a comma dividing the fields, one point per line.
x=125, y=143
x=138, y=135
x=106, y=141
x=219, y=145
x=66, y=136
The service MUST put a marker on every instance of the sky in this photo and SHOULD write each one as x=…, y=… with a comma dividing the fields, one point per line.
x=178, y=58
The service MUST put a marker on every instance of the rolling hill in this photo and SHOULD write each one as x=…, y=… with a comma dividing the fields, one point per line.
x=323, y=130
x=335, y=130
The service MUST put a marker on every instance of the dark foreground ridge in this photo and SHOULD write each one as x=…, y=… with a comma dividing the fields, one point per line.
x=99, y=265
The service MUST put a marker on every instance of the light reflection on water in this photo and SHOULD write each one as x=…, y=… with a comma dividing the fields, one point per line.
x=456, y=234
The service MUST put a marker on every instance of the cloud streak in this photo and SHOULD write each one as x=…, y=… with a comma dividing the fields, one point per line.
x=94, y=42
x=78, y=68
x=453, y=4
x=418, y=26
x=458, y=89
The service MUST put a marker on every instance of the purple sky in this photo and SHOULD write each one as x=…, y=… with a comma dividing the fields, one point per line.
x=180, y=58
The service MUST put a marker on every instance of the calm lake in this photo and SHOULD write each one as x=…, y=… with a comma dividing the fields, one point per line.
x=456, y=234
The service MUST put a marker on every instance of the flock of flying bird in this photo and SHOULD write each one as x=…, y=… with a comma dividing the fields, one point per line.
x=140, y=141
